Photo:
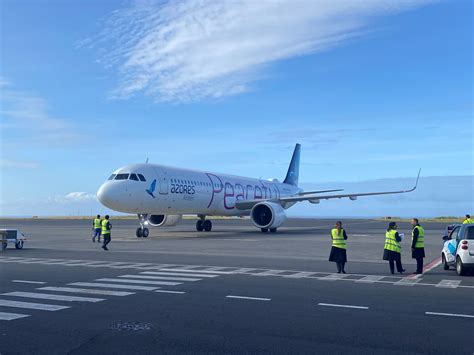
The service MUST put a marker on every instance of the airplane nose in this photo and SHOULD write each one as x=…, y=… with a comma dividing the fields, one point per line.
x=105, y=195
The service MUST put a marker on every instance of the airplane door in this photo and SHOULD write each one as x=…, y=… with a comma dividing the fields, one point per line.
x=162, y=182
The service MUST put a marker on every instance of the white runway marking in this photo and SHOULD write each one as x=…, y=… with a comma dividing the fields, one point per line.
x=88, y=291
x=160, y=278
x=29, y=282
x=333, y=277
x=12, y=316
x=168, y=291
x=39, y=306
x=300, y=275
x=450, y=314
x=46, y=296
x=129, y=287
x=146, y=282
x=176, y=274
x=407, y=281
x=341, y=305
x=249, y=298
x=370, y=278
x=449, y=283
x=269, y=273
x=200, y=271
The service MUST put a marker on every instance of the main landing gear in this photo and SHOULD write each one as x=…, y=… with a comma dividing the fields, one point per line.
x=142, y=231
x=265, y=230
x=203, y=224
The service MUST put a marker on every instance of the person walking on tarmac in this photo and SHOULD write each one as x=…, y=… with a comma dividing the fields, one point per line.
x=339, y=246
x=417, y=245
x=106, y=227
x=468, y=220
x=96, y=227
x=392, y=249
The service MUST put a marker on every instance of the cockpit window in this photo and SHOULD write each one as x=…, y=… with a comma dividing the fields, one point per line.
x=134, y=177
x=142, y=178
x=121, y=177
x=111, y=177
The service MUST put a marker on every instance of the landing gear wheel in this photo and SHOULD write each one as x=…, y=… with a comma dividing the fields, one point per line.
x=146, y=232
x=264, y=230
x=445, y=264
x=19, y=244
x=200, y=225
x=273, y=230
x=207, y=224
x=139, y=232
x=460, y=269
x=4, y=245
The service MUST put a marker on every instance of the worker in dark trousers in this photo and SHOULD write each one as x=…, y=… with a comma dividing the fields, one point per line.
x=96, y=226
x=339, y=246
x=417, y=245
x=392, y=249
x=106, y=227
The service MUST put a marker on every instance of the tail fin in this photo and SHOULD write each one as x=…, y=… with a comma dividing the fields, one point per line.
x=294, y=169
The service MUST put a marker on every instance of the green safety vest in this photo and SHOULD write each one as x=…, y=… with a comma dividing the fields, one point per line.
x=391, y=242
x=420, y=242
x=105, y=229
x=97, y=223
x=338, y=240
x=468, y=221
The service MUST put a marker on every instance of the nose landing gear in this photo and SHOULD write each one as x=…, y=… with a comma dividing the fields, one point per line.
x=142, y=231
x=203, y=224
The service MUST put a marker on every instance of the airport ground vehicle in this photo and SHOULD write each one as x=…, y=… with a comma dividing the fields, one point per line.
x=12, y=236
x=458, y=249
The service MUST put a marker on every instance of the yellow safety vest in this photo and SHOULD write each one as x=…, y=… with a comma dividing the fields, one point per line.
x=105, y=229
x=420, y=242
x=97, y=223
x=468, y=221
x=391, y=242
x=338, y=240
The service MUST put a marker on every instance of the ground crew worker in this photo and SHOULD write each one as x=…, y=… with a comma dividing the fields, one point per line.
x=106, y=227
x=338, y=250
x=392, y=249
x=96, y=228
x=468, y=220
x=417, y=245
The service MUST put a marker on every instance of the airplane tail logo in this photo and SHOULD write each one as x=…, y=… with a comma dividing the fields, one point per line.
x=152, y=188
x=294, y=168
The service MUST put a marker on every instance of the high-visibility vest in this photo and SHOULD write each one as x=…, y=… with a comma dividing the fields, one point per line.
x=338, y=240
x=391, y=242
x=468, y=221
x=420, y=242
x=105, y=229
x=97, y=223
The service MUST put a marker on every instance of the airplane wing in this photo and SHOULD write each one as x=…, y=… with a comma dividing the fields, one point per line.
x=245, y=205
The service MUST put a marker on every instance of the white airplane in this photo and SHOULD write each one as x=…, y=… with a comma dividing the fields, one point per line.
x=160, y=195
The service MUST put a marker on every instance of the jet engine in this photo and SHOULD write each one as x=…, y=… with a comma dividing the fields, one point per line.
x=163, y=220
x=267, y=215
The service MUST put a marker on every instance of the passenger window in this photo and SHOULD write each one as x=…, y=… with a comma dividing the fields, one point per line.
x=111, y=177
x=141, y=177
x=134, y=177
x=454, y=233
x=121, y=177
x=469, y=233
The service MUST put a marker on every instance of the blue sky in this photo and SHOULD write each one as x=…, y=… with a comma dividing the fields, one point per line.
x=372, y=90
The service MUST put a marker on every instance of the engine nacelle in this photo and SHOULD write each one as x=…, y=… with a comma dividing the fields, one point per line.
x=267, y=215
x=163, y=220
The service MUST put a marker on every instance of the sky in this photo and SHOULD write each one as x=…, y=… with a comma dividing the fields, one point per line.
x=372, y=89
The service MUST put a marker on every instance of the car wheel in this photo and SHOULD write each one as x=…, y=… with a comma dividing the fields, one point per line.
x=460, y=269
x=445, y=264
x=19, y=245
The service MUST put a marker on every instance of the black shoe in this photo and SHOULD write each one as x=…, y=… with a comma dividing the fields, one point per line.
x=343, y=271
x=338, y=272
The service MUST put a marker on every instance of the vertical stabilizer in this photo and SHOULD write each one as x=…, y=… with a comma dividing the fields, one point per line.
x=294, y=169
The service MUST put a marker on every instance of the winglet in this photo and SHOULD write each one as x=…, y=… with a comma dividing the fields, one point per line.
x=294, y=168
x=417, y=178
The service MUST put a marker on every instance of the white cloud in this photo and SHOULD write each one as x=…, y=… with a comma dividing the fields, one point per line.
x=73, y=197
x=15, y=164
x=190, y=50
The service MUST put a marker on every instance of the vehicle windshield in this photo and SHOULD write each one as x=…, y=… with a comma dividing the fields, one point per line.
x=469, y=234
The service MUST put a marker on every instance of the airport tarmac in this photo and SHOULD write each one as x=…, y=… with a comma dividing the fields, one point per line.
x=232, y=290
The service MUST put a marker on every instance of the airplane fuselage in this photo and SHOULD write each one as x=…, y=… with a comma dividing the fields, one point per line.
x=181, y=191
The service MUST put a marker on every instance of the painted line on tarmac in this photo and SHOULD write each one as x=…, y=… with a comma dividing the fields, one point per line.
x=29, y=305
x=428, y=267
x=146, y=282
x=176, y=274
x=100, y=285
x=29, y=282
x=164, y=278
x=12, y=316
x=450, y=314
x=169, y=291
x=249, y=298
x=448, y=283
x=87, y=291
x=47, y=296
x=201, y=271
x=342, y=306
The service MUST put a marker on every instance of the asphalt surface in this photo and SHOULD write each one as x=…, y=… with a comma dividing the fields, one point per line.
x=232, y=290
